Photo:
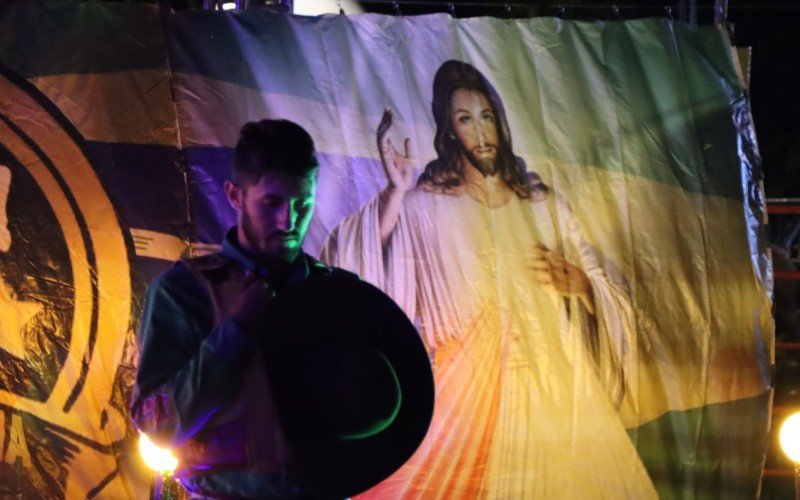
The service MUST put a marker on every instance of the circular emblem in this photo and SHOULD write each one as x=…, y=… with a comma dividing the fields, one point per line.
x=65, y=286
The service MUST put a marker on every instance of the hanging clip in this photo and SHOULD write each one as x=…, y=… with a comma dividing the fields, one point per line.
x=617, y=12
x=452, y=8
x=509, y=14
x=561, y=12
x=668, y=11
x=341, y=9
x=720, y=16
x=396, y=6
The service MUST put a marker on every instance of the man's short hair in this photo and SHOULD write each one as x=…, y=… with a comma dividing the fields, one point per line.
x=278, y=146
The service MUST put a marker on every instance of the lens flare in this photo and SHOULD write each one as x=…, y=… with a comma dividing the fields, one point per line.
x=157, y=458
x=790, y=437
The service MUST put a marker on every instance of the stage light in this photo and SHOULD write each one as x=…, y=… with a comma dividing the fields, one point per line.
x=161, y=460
x=790, y=437
x=790, y=443
x=319, y=7
x=228, y=5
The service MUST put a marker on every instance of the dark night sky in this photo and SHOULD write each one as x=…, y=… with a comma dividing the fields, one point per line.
x=773, y=31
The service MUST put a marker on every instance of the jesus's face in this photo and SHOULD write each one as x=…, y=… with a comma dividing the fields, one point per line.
x=475, y=126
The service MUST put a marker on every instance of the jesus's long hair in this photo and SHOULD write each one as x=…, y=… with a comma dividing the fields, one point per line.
x=447, y=171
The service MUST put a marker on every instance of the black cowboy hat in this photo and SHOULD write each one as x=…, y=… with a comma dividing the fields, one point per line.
x=352, y=383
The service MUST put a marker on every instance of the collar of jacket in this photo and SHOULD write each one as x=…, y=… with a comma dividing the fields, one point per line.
x=299, y=269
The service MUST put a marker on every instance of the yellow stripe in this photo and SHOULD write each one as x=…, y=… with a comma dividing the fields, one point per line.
x=131, y=106
x=158, y=245
x=155, y=245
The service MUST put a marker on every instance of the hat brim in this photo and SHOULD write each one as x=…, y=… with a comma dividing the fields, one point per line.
x=329, y=309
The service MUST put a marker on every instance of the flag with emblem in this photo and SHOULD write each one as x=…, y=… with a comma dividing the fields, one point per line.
x=580, y=241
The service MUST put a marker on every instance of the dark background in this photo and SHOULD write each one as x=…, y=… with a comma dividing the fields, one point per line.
x=773, y=31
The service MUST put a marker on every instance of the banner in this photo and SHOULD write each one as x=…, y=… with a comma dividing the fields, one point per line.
x=621, y=152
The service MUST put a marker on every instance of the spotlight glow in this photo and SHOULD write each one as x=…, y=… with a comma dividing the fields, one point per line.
x=790, y=437
x=159, y=459
x=319, y=7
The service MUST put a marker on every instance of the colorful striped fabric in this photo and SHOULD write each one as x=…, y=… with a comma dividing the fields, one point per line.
x=117, y=123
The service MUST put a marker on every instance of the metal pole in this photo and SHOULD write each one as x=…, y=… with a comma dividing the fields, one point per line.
x=155, y=486
x=797, y=480
x=720, y=11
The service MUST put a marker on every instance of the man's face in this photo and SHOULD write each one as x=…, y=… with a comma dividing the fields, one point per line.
x=475, y=127
x=273, y=214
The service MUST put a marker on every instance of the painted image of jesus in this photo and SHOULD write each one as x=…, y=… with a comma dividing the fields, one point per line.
x=532, y=345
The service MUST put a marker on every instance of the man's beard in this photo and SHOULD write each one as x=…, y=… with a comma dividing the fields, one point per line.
x=487, y=166
x=261, y=248
x=249, y=231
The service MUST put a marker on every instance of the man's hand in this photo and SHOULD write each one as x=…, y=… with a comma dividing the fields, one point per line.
x=249, y=307
x=551, y=269
x=399, y=167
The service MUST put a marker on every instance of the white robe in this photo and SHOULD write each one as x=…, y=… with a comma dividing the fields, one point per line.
x=521, y=409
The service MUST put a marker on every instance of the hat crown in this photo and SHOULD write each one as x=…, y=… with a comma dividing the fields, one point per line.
x=352, y=382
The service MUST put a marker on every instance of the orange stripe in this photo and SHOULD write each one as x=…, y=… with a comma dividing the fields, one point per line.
x=784, y=409
x=133, y=107
x=783, y=209
x=778, y=473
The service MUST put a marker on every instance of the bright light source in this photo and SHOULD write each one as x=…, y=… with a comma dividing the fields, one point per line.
x=790, y=437
x=228, y=5
x=158, y=459
x=319, y=7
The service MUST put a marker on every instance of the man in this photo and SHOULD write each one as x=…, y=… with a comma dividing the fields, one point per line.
x=529, y=339
x=201, y=385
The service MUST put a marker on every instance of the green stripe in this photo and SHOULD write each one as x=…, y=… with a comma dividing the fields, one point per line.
x=715, y=451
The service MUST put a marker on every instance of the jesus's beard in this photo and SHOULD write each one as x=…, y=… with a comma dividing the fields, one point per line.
x=486, y=166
